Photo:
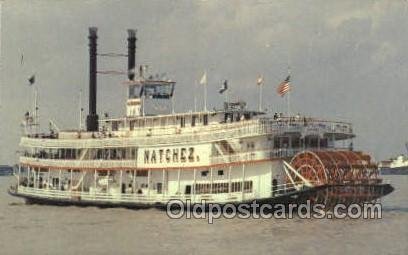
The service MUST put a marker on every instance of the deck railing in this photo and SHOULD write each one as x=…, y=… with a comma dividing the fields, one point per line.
x=210, y=133
x=64, y=163
x=152, y=198
x=256, y=155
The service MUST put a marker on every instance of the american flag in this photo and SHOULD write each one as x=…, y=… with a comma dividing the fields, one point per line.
x=284, y=87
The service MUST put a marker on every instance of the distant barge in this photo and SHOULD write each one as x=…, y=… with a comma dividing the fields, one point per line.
x=6, y=170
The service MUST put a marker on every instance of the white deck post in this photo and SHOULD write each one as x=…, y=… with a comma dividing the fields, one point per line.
x=71, y=181
x=120, y=182
x=134, y=182
x=163, y=180
x=18, y=176
x=148, y=182
x=229, y=180
x=243, y=181
x=194, y=184
x=95, y=177
x=59, y=180
x=83, y=180
x=34, y=178
x=107, y=183
x=32, y=172
x=28, y=176
x=211, y=180
x=48, y=178
x=178, y=181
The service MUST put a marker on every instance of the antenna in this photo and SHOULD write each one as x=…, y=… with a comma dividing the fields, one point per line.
x=81, y=110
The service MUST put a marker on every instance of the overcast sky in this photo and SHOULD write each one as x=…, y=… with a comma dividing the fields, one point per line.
x=348, y=59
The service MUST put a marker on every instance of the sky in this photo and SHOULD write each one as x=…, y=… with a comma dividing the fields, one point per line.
x=348, y=59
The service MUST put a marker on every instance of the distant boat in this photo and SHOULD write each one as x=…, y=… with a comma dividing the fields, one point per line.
x=6, y=170
x=397, y=166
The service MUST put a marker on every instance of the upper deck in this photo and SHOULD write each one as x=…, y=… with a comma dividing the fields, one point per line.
x=188, y=128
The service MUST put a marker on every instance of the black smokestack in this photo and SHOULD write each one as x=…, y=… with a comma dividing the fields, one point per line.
x=131, y=53
x=92, y=118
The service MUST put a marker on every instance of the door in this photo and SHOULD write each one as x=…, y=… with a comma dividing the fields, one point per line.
x=188, y=190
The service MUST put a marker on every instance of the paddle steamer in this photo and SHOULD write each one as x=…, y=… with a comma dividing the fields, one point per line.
x=231, y=155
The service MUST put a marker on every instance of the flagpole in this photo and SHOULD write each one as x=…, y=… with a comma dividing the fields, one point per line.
x=289, y=92
x=172, y=105
x=36, y=124
x=195, y=96
x=80, y=109
x=288, y=103
x=205, y=92
x=260, y=97
x=226, y=96
x=205, y=97
x=143, y=105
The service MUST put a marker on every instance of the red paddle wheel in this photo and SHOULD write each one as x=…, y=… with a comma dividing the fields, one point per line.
x=340, y=176
x=333, y=167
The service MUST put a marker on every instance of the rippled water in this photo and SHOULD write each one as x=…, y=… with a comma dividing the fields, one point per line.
x=34, y=229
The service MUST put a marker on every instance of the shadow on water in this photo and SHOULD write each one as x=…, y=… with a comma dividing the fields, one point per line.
x=16, y=203
x=395, y=209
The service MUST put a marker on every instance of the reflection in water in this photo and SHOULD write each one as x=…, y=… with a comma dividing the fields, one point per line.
x=35, y=229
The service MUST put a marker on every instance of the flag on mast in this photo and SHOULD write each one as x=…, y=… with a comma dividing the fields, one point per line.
x=31, y=80
x=259, y=81
x=224, y=87
x=203, y=80
x=284, y=87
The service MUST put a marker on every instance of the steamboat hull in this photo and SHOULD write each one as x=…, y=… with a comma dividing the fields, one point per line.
x=328, y=195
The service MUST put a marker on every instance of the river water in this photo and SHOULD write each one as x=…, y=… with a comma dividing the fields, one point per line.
x=36, y=229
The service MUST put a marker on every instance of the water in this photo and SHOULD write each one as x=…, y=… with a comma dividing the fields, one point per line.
x=34, y=229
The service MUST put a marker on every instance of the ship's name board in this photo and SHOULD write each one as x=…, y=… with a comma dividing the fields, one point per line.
x=174, y=155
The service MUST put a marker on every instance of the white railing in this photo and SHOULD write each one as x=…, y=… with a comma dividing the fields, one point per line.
x=190, y=135
x=255, y=155
x=133, y=198
x=278, y=190
x=60, y=163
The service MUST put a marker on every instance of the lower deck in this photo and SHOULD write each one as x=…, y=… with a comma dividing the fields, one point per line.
x=229, y=184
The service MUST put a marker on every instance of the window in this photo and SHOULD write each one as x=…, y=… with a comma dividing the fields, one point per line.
x=206, y=188
x=133, y=93
x=204, y=173
x=182, y=121
x=220, y=172
x=193, y=120
x=141, y=173
x=115, y=126
x=248, y=186
x=159, y=188
x=205, y=119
